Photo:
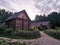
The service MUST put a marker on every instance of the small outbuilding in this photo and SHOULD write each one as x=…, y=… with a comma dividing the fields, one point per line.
x=39, y=24
x=19, y=20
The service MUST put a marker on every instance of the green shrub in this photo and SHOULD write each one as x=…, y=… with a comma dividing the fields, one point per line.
x=5, y=30
x=8, y=31
x=2, y=28
x=53, y=33
x=27, y=33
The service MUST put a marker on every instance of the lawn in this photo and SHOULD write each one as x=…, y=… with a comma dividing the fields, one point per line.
x=57, y=28
x=55, y=33
x=22, y=34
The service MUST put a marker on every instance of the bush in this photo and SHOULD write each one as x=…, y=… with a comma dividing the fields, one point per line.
x=8, y=31
x=5, y=30
x=33, y=27
x=53, y=33
x=2, y=28
x=28, y=33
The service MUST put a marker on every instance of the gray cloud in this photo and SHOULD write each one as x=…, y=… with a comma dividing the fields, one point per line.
x=6, y=4
x=47, y=6
x=17, y=5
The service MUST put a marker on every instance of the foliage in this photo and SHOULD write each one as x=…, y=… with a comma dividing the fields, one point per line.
x=5, y=30
x=28, y=34
x=2, y=28
x=33, y=27
x=57, y=28
x=9, y=32
x=53, y=17
x=40, y=18
x=22, y=34
x=4, y=15
x=6, y=42
x=53, y=33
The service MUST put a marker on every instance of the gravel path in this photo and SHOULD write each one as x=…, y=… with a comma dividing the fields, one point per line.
x=47, y=40
x=43, y=40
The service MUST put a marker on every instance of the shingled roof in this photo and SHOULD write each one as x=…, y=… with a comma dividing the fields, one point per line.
x=35, y=23
x=16, y=14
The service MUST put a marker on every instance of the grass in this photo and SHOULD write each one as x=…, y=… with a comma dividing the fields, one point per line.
x=22, y=35
x=57, y=28
x=18, y=34
x=16, y=37
x=10, y=36
x=54, y=33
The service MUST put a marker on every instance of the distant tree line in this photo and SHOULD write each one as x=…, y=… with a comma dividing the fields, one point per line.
x=4, y=15
x=53, y=17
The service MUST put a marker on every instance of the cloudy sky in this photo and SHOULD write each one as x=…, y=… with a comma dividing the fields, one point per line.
x=32, y=7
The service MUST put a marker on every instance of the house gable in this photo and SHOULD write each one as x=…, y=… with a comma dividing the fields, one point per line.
x=23, y=16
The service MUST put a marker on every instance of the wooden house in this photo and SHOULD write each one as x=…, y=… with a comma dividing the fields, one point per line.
x=39, y=24
x=19, y=20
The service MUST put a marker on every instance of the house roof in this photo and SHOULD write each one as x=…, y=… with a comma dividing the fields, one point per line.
x=16, y=14
x=35, y=23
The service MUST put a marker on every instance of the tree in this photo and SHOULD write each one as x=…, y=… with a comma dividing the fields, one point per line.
x=53, y=17
x=40, y=18
x=4, y=15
